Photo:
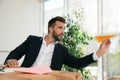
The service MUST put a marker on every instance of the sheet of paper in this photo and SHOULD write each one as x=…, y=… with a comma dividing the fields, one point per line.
x=103, y=37
x=35, y=70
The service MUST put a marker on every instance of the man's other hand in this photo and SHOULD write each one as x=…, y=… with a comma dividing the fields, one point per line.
x=12, y=63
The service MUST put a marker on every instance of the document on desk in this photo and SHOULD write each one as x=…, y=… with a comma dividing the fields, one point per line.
x=35, y=70
x=104, y=37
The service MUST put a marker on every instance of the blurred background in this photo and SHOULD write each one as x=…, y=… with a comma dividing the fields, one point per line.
x=21, y=18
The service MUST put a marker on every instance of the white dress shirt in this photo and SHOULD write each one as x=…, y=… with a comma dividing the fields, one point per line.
x=46, y=53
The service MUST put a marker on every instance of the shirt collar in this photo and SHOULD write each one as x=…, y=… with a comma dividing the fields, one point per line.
x=44, y=42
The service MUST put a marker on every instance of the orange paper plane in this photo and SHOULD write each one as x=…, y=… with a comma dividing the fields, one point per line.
x=104, y=37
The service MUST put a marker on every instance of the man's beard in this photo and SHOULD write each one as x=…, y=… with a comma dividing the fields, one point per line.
x=55, y=36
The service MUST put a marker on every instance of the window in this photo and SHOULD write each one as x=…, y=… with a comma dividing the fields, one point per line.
x=111, y=25
x=52, y=8
x=89, y=8
x=111, y=16
x=112, y=60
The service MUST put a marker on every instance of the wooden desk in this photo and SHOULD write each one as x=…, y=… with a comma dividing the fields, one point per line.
x=55, y=75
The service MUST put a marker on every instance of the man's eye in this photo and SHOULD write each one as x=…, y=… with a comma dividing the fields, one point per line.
x=60, y=27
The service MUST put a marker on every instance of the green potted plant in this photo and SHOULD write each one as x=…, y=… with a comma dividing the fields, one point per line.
x=75, y=39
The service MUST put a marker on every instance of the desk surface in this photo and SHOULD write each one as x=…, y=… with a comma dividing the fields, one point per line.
x=55, y=75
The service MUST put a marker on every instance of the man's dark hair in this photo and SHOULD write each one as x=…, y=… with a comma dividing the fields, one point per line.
x=52, y=22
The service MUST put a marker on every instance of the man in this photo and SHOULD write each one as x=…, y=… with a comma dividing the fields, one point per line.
x=47, y=51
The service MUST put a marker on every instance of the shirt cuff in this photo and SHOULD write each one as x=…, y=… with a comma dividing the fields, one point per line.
x=95, y=57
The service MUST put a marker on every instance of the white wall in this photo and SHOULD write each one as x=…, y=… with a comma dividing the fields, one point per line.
x=3, y=56
x=18, y=20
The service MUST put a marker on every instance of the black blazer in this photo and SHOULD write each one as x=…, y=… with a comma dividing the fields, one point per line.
x=31, y=47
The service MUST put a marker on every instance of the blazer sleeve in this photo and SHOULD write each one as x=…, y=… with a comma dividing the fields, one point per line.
x=19, y=51
x=77, y=62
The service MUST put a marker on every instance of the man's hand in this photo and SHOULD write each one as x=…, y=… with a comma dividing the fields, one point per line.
x=103, y=47
x=12, y=63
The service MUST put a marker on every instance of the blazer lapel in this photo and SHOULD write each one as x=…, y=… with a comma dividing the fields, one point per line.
x=37, y=49
x=54, y=62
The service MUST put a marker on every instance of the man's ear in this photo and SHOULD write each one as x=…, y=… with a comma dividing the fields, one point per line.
x=51, y=29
